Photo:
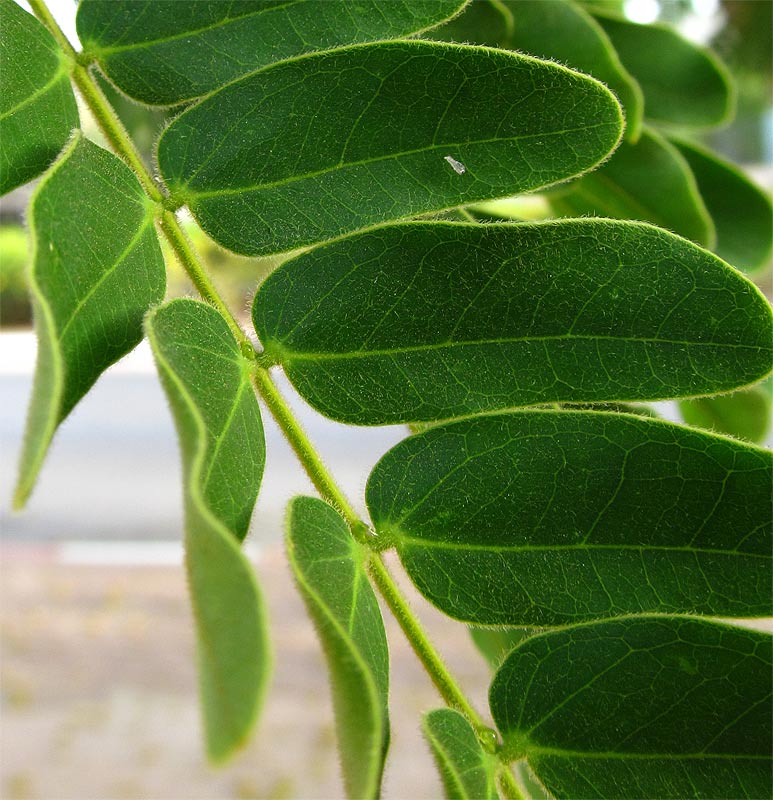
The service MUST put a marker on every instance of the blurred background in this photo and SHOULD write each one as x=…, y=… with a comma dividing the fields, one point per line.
x=99, y=695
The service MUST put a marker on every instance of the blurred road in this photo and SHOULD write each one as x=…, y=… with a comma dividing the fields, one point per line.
x=99, y=697
x=113, y=472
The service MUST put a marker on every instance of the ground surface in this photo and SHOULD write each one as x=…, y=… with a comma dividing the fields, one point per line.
x=96, y=643
x=99, y=692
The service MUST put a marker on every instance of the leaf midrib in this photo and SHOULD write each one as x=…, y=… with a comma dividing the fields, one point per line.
x=109, y=50
x=56, y=76
x=226, y=537
x=287, y=355
x=434, y=544
x=442, y=752
x=125, y=253
x=192, y=195
x=347, y=640
x=216, y=445
x=557, y=752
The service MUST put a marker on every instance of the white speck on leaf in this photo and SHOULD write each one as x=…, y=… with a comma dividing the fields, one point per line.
x=458, y=167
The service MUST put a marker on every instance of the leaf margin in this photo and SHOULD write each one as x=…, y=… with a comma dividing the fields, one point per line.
x=218, y=752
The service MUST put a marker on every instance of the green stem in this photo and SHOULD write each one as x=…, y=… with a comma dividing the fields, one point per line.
x=109, y=123
x=122, y=144
x=113, y=128
x=40, y=10
x=307, y=454
x=191, y=263
x=323, y=481
x=508, y=784
x=433, y=664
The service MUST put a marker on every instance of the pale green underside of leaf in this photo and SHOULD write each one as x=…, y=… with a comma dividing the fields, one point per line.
x=684, y=85
x=317, y=147
x=328, y=566
x=648, y=181
x=223, y=451
x=97, y=267
x=426, y=321
x=37, y=106
x=641, y=707
x=466, y=770
x=742, y=213
x=745, y=414
x=545, y=518
x=164, y=52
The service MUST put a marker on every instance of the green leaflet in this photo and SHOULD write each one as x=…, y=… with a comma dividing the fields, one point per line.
x=562, y=30
x=37, y=106
x=377, y=328
x=313, y=148
x=466, y=769
x=495, y=643
x=164, y=52
x=744, y=414
x=329, y=567
x=684, y=85
x=742, y=213
x=223, y=451
x=641, y=707
x=548, y=518
x=97, y=268
x=557, y=30
x=649, y=181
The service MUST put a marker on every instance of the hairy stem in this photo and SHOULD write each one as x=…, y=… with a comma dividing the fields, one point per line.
x=192, y=265
x=108, y=121
x=305, y=451
x=123, y=146
x=508, y=784
x=437, y=670
x=323, y=481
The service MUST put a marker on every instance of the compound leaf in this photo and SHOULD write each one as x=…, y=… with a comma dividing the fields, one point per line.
x=97, y=267
x=683, y=84
x=641, y=707
x=544, y=518
x=742, y=213
x=425, y=321
x=466, y=769
x=223, y=451
x=164, y=52
x=649, y=181
x=313, y=148
x=329, y=568
x=37, y=106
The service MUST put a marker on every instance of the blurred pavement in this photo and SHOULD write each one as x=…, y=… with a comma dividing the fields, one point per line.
x=113, y=470
x=98, y=672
